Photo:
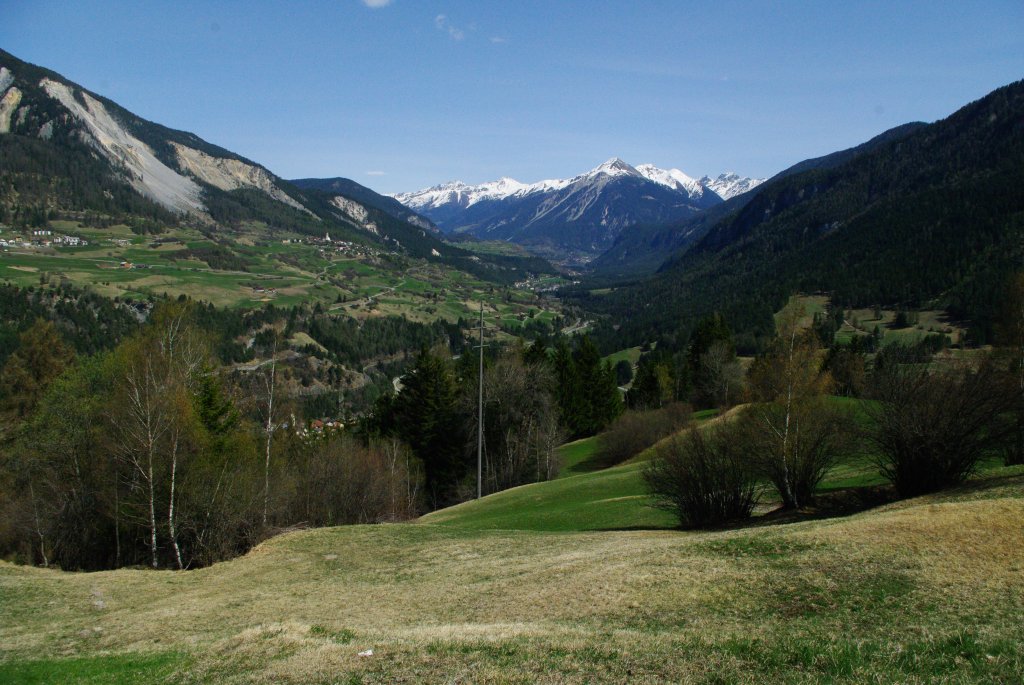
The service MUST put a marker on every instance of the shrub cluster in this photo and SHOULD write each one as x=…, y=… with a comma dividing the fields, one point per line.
x=932, y=426
x=703, y=477
x=635, y=431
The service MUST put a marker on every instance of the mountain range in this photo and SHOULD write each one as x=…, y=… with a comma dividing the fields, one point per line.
x=922, y=216
x=66, y=151
x=644, y=249
x=574, y=219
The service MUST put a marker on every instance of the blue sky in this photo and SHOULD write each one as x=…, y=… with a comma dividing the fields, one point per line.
x=415, y=92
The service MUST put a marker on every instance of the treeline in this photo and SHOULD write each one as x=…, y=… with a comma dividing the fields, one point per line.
x=152, y=453
x=705, y=373
x=88, y=322
x=147, y=455
x=350, y=341
x=534, y=398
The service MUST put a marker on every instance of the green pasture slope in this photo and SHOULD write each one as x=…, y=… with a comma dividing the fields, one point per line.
x=611, y=499
x=586, y=498
x=583, y=497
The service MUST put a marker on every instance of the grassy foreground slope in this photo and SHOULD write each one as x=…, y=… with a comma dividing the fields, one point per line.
x=926, y=590
x=609, y=499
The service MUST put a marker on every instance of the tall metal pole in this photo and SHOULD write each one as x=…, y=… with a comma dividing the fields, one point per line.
x=480, y=418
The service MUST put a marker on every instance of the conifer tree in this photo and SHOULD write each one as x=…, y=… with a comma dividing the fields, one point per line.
x=427, y=419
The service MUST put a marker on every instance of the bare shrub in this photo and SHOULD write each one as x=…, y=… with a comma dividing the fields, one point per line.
x=339, y=480
x=933, y=426
x=793, y=445
x=703, y=477
x=635, y=431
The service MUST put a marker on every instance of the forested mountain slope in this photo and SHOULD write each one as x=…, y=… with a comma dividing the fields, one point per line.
x=933, y=217
x=644, y=249
x=66, y=152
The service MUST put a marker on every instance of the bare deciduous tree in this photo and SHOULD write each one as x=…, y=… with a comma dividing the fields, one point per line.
x=933, y=425
x=159, y=370
x=269, y=384
x=721, y=376
x=521, y=423
x=793, y=434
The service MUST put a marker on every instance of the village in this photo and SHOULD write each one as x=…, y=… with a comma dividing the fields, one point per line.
x=41, y=238
x=346, y=248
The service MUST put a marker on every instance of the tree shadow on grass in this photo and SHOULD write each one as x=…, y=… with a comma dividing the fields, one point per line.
x=595, y=462
x=833, y=504
x=845, y=502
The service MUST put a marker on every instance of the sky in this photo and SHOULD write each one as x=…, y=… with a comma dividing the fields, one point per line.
x=403, y=94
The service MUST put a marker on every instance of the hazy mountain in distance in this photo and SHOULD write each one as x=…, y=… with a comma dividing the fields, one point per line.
x=573, y=219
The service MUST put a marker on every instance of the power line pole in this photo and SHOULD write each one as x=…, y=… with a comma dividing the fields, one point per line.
x=480, y=417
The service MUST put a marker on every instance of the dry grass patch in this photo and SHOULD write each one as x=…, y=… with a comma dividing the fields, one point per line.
x=916, y=592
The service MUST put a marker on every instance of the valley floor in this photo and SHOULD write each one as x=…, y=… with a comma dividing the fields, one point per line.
x=920, y=591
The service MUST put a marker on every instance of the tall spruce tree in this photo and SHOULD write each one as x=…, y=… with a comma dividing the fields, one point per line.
x=428, y=420
x=596, y=400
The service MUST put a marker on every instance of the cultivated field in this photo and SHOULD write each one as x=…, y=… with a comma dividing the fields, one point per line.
x=360, y=282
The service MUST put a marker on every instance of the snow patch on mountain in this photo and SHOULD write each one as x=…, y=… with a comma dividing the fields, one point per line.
x=8, y=104
x=672, y=178
x=147, y=174
x=230, y=174
x=730, y=185
x=462, y=195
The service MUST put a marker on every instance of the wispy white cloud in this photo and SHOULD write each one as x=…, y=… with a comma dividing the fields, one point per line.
x=498, y=40
x=376, y=173
x=442, y=24
x=376, y=3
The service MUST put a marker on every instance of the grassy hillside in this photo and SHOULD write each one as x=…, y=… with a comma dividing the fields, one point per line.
x=923, y=591
x=603, y=500
x=586, y=497
x=583, y=497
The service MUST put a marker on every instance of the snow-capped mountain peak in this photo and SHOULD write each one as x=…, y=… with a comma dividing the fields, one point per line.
x=463, y=195
x=730, y=184
x=460, y=194
x=503, y=187
x=579, y=216
x=671, y=178
x=613, y=167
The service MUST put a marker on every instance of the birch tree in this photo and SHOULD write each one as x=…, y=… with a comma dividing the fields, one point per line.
x=792, y=433
x=269, y=386
x=160, y=370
